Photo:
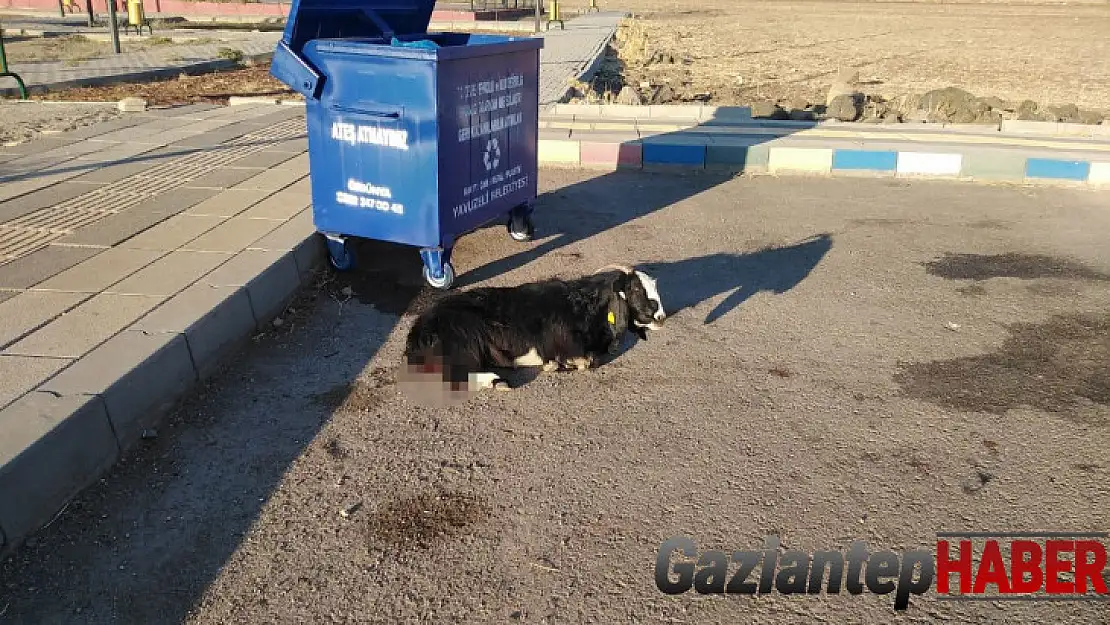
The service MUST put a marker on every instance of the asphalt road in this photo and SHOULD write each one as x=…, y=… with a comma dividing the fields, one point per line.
x=846, y=359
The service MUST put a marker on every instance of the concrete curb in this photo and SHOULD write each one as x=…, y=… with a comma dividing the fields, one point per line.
x=742, y=148
x=65, y=434
x=142, y=75
x=588, y=69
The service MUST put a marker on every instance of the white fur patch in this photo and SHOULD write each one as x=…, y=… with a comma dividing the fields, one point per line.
x=531, y=359
x=483, y=381
x=652, y=293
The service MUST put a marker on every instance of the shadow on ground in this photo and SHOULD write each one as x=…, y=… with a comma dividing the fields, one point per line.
x=146, y=543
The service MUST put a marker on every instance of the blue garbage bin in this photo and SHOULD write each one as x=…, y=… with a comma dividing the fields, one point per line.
x=414, y=137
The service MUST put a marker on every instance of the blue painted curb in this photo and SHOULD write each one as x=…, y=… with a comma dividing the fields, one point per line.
x=875, y=160
x=1057, y=169
x=673, y=154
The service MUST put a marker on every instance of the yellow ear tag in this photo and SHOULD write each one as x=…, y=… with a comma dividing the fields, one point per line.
x=612, y=318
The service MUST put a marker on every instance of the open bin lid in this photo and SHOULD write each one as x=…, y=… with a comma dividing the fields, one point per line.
x=346, y=19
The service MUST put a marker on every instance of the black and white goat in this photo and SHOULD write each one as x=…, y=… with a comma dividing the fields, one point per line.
x=553, y=324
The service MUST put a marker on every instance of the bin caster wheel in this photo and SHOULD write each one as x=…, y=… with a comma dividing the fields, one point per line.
x=340, y=255
x=521, y=232
x=445, y=281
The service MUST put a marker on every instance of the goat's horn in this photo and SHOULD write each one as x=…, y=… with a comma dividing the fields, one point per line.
x=624, y=268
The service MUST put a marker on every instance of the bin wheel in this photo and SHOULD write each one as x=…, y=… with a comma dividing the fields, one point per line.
x=521, y=232
x=445, y=281
x=340, y=255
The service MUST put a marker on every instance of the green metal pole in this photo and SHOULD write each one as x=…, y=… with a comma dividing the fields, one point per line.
x=4, y=73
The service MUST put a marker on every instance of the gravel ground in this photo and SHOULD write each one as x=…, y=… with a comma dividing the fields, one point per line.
x=24, y=121
x=846, y=359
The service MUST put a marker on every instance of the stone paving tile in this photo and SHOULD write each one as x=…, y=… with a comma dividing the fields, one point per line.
x=233, y=236
x=264, y=159
x=170, y=274
x=281, y=206
x=101, y=271
x=77, y=332
x=292, y=146
x=21, y=374
x=37, y=200
x=173, y=233
x=6, y=295
x=188, y=110
x=120, y=170
x=33, y=268
x=23, y=184
x=270, y=180
x=117, y=228
x=223, y=178
x=40, y=144
x=228, y=203
x=49, y=158
x=32, y=309
x=298, y=164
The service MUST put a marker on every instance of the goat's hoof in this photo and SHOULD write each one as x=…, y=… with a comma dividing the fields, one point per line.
x=580, y=364
x=501, y=385
x=550, y=366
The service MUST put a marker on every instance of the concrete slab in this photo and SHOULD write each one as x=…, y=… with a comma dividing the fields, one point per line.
x=30, y=270
x=21, y=374
x=232, y=236
x=52, y=448
x=77, y=332
x=215, y=321
x=6, y=295
x=170, y=274
x=281, y=206
x=43, y=198
x=138, y=376
x=228, y=203
x=113, y=229
x=269, y=180
x=173, y=233
x=101, y=271
x=223, y=178
x=266, y=275
x=264, y=159
x=33, y=309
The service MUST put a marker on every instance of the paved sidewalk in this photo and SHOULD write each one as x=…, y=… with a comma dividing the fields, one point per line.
x=166, y=240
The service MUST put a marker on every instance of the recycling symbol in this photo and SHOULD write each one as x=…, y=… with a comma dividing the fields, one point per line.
x=492, y=156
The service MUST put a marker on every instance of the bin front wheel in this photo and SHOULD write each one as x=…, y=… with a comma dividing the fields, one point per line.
x=340, y=255
x=521, y=227
x=445, y=281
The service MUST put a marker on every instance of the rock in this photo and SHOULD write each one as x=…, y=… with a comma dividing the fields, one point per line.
x=1027, y=111
x=952, y=104
x=846, y=83
x=664, y=95
x=1069, y=113
x=845, y=108
x=132, y=105
x=996, y=103
x=629, y=96
x=1090, y=117
x=800, y=115
x=892, y=117
x=763, y=108
x=989, y=116
x=798, y=104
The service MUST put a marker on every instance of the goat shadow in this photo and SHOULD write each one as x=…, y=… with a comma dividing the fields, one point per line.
x=685, y=284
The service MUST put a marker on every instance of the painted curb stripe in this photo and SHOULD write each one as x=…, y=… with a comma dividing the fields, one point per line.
x=865, y=159
x=1057, y=169
x=1100, y=173
x=616, y=153
x=557, y=151
x=611, y=154
x=673, y=154
x=800, y=159
x=929, y=163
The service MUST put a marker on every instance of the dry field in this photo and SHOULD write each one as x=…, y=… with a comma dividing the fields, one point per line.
x=740, y=52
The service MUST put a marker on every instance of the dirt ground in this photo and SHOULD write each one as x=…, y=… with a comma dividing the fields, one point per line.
x=72, y=49
x=789, y=52
x=845, y=359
